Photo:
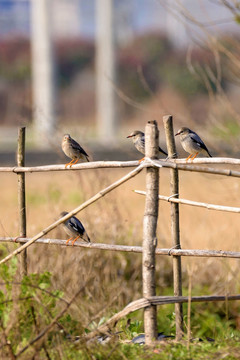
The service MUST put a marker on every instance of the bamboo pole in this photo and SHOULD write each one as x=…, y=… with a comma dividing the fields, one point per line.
x=208, y=160
x=21, y=197
x=207, y=170
x=96, y=197
x=190, y=272
x=175, y=228
x=80, y=166
x=149, y=232
x=127, y=248
x=179, y=164
x=208, y=206
x=154, y=300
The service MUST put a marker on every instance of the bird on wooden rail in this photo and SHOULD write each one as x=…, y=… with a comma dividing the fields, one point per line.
x=73, y=150
x=138, y=138
x=191, y=143
x=74, y=228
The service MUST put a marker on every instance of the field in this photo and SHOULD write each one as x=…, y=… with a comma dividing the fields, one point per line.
x=114, y=279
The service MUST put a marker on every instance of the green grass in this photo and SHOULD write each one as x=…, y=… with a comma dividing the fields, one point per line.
x=225, y=348
x=37, y=303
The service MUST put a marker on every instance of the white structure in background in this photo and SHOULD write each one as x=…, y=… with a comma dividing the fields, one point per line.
x=123, y=22
x=66, y=18
x=105, y=71
x=175, y=25
x=42, y=72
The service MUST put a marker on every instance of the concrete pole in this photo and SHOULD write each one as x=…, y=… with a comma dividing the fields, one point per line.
x=105, y=71
x=42, y=72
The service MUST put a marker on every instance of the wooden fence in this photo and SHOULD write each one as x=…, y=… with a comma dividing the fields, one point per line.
x=149, y=249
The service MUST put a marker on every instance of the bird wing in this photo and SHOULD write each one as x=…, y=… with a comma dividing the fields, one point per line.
x=76, y=146
x=142, y=141
x=195, y=138
x=76, y=225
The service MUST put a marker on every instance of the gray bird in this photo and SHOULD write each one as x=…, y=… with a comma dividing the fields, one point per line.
x=138, y=138
x=75, y=229
x=191, y=143
x=73, y=150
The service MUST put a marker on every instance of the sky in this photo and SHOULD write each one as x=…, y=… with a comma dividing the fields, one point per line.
x=77, y=17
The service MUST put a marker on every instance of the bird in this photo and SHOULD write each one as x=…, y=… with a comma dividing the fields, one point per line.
x=138, y=138
x=74, y=228
x=73, y=150
x=191, y=143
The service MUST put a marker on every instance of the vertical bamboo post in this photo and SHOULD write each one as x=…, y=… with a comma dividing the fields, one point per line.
x=21, y=197
x=149, y=231
x=175, y=228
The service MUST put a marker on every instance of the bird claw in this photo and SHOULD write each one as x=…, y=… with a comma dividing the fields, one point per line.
x=68, y=240
x=74, y=240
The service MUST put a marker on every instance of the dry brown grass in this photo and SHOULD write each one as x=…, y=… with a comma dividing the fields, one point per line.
x=117, y=219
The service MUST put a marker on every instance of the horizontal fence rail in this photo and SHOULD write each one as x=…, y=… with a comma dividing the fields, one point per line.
x=81, y=166
x=174, y=165
x=127, y=248
x=179, y=164
x=194, y=203
x=154, y=300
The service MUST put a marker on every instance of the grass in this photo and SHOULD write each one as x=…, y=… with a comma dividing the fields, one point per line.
x=115, y=278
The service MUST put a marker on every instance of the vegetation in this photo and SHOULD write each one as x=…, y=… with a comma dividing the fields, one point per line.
x=109, y=281
x=31, y=327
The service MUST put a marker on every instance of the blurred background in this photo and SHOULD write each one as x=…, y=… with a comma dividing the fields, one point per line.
x=102, y=68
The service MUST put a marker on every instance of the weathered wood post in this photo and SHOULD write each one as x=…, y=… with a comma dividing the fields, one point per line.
x=149, y=231
x=175, y=228
x=22, y=198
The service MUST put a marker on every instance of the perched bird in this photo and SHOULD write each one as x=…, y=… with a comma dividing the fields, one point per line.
x=75, y=229
x=191, y=142
x=138, y=138
x=73, y=150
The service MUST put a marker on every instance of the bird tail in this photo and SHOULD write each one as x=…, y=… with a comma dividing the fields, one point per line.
x=162, y=151
x=86, y=238
x=209, y=154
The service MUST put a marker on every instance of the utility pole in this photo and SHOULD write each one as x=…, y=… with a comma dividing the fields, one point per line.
x=105, y=71
x=42, y=72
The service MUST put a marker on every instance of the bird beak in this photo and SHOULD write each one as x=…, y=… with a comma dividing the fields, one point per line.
x=129, y=136
x=177, y=134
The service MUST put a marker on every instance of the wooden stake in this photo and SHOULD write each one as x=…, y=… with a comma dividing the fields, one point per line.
x=190, y=272
x=22, y=198
x=149, y=231
x=175, y=228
